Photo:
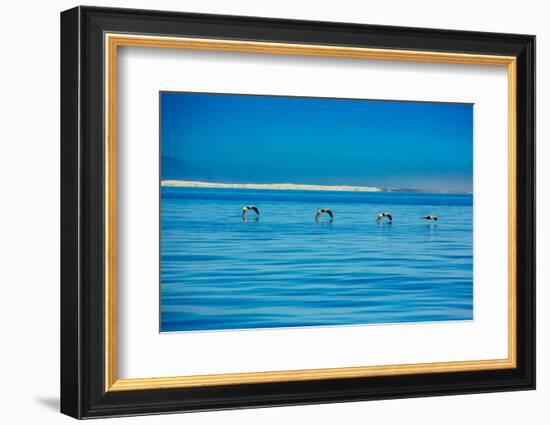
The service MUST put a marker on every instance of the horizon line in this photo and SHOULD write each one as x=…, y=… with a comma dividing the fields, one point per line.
x=295, y=186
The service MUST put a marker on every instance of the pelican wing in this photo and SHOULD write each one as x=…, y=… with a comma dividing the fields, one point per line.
x=256, y=210
x=324, y=210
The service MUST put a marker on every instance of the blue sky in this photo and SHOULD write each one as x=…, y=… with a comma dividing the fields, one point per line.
x=271, y=139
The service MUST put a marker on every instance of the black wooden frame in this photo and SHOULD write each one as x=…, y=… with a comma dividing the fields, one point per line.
x=82, y=212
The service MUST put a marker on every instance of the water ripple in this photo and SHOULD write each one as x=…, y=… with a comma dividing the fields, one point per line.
x=286, y=269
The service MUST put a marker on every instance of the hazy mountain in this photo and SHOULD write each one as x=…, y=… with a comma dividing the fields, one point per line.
x=176, y=169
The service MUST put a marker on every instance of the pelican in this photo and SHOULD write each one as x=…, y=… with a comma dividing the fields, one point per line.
x=429, y=217
x=250, y=207
x=386, y=214
x=324, y=210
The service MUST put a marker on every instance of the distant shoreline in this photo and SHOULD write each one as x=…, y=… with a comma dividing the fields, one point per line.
x=269, y=186
x=293, y=186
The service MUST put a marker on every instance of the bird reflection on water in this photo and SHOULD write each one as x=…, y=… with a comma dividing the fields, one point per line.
x=250, y=219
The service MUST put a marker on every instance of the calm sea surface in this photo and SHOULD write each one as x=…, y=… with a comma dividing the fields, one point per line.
x=286, y=269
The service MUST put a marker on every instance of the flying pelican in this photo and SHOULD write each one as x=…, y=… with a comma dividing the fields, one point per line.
x=386, y=214
x=324, y=210
x=429, y=217
x=250, y=207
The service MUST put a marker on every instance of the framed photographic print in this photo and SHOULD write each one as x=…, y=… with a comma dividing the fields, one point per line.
x=261, y=212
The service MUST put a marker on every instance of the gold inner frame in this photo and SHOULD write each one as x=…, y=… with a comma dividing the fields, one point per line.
x=113, y=41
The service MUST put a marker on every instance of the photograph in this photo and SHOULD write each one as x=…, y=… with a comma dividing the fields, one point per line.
x=286, y=211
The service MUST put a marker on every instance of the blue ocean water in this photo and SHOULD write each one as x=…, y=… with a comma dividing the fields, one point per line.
x=286, y=269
